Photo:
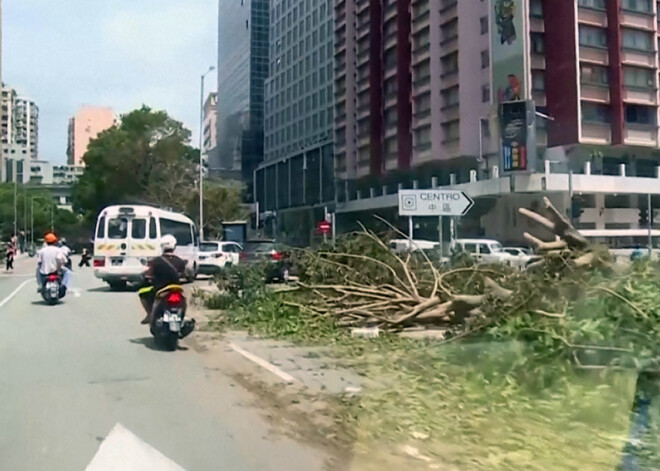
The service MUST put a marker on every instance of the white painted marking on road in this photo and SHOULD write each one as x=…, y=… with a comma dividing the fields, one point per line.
x=264, y=364
x=13, y=293
x=125, y=451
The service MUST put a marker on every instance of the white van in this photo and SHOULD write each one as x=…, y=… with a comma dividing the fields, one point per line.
x=400, y=246
x=483, y=250
x=128, y=236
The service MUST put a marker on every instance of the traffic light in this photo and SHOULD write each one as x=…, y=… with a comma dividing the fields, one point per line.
x=643, y=217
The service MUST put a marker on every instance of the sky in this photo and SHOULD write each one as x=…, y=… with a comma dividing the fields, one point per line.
x=118, y=53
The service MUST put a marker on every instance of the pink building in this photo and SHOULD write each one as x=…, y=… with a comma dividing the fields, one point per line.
x=87, y=123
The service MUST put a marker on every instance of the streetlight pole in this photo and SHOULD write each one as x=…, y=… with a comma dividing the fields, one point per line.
x=201, y=154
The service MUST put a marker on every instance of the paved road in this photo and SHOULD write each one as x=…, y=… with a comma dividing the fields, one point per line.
x=72, y=372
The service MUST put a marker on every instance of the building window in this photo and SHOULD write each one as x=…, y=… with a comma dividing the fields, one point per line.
x=637, y=77
x=594, y=112
x=594, y=74
x=597, y=4
x=485, y=59
x=536, y=8
x=450, y=97
x=483, y=22
x=538, y=81
x=638, y=40
x=592, y=36
x=485, y=93
x=452, y=130
x=538, y=43
x=639, y=114
x=639, y=6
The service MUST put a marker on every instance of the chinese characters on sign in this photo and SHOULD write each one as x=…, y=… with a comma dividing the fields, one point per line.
x=514, y=136
x=434, y=203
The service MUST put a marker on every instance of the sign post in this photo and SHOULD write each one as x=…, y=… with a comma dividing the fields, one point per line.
x=434, y=202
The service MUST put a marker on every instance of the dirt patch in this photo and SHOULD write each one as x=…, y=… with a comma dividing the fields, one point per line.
x=319, y=420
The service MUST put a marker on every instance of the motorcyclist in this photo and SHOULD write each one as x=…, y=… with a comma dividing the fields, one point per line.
x=66, y=251
x=50, y=259
x=168, y=269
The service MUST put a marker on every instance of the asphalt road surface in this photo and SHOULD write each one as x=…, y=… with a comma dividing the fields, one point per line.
x=74, y=372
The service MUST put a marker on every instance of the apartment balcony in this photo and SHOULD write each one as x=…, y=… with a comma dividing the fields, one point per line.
x=594, y=55
x=362, y=58
x=595, y=93
x=363, y=31
x=363, y=140
x=537, y=61
x=638, y=58
x=390, y=100
x=450, y=113
x=640, y=135
x=390, y=130
x=589, y=16
x=421, y=118
x=638, y=20
x=363, y=85
x=539, y=97
x=449, y=45
x=390, y=11
x=596, y=133
x=449, y=79
x=421, y=53
x=448, y=10
x=421, y=85
x=390, y=72
x=536, y=24
x=642, y=96
x=362, y=6
x=390, y=41
x=421, y=22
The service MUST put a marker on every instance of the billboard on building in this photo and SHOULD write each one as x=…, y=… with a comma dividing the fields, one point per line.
x=513, y=127
x=509, y=33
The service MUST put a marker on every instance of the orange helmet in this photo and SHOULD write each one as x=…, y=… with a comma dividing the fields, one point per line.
x=50, y=238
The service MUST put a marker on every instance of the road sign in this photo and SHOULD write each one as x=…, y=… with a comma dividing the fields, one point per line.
x=324, y=227
x=434, y=203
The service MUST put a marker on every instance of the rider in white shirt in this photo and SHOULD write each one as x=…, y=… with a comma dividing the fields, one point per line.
x=51, y=259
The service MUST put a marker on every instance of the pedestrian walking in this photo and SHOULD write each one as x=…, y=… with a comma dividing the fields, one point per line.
x=85, y=258
x=10, y=254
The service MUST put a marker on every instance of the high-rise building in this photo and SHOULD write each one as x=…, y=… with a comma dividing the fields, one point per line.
x=508, y=100
x=298, y=167
x=27, y=126
x=87, y=124
x=407, y=96
x=210, y=128
x=8, y=115
x=242, y=69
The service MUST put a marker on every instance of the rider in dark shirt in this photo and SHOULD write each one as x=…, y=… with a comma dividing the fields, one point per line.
x=163, y=271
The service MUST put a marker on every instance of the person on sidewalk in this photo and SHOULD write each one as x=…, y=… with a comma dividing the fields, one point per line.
x=10, y=254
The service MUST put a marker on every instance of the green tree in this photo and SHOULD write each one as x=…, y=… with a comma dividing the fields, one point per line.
x=145, y=159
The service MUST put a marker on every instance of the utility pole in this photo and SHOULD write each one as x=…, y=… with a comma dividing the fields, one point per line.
x=201, y=155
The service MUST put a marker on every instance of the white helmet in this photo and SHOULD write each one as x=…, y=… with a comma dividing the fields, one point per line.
x=168, y=242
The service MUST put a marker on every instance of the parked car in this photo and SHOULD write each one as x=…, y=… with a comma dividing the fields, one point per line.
x=274, y=258
x=520, y=256
x=216, y=255
x=400, y=246
x=483, y=250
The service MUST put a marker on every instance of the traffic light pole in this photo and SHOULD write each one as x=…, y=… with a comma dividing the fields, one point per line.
x=649, y=223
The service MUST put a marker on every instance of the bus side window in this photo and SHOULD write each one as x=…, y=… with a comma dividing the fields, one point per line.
x=100, y=229
x=153, y=232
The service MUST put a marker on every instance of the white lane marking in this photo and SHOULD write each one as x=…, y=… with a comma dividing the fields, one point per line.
x=125, y=451
x=13, y=293
x=264, y=364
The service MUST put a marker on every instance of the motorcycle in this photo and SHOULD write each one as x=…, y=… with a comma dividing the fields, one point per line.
x=168, y=321
x=52, y=290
